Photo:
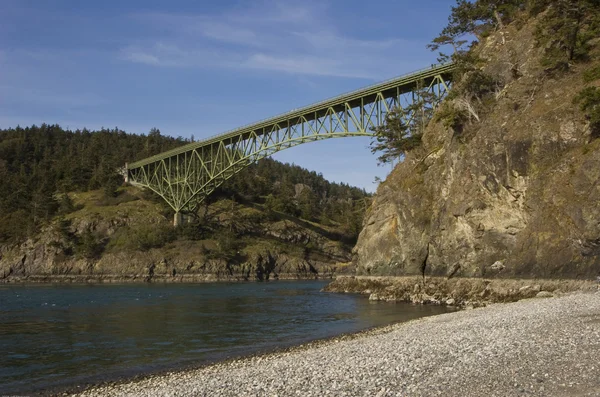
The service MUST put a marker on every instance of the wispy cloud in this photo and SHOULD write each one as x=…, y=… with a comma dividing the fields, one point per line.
x=172, y=55
x=310, y=65
x=280, y=37
x=137, y=55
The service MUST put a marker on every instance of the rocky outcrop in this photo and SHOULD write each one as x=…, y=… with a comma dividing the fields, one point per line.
x=40, y=261
x=515, y=194
x=458, y=292
x=271, y=249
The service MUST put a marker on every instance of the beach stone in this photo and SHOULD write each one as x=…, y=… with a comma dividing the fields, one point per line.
x=374, y=297
x=463, y=353
x=498, y=265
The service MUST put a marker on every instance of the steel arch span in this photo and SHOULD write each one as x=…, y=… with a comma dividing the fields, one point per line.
x=185, y=176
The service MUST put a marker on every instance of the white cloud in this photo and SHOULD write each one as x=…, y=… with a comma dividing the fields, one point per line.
x=171, y=55
x=137, y=55
x=228, y=33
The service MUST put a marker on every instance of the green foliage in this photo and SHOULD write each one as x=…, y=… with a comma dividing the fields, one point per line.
x=308, y=204
x=589, y=102
x=228, y=246
x=393, y=139
x=478, y=84
x=274, y=184
x=39, y=165
x=147, y=237
x=65, y=204
x=592, y=74
x=476, y=18
x=120, y=198
x=142, y=237
x=89, y=245
x=284, y=199
x=63, y=228
x=535, y=7
x=36, y=163
x=403, y=128
x=111, y=183
x=565, y=30
x=451, y=117
x=13, y=226
x=193, y=230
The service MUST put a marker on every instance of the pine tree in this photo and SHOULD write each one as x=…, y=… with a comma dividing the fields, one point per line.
x=403, y=127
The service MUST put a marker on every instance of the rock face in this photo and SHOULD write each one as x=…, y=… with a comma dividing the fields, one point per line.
x=515, y=194
x=271, y=249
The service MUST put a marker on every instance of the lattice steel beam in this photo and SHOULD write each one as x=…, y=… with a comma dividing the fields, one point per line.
x=185, y=176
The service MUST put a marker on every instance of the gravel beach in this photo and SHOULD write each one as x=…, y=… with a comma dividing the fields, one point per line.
x=534, y=347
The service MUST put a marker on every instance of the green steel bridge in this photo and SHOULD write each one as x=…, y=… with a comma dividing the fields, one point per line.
x=185, y=176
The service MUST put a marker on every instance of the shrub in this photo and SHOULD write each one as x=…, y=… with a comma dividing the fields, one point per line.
x=151, y=236
x=451, y=117
x=120, y=198
x=479, y=84
x=142, y=238
x=592, y=74
x=193, y=230
x=589, y=102
x=565, y=30
x=89, y=245
x=111, y=184
x=228, y=246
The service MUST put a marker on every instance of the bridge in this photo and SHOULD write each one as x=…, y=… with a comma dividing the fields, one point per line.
x=185, y=176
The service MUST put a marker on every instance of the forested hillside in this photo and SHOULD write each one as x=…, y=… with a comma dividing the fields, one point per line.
x=40, y=165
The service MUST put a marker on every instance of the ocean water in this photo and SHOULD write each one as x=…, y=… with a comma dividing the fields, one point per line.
x=56, y=336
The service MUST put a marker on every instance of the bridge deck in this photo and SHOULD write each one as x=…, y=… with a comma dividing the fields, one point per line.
x=293, y=116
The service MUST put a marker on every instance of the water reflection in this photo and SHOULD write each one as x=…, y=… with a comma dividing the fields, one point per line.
x=54, y=335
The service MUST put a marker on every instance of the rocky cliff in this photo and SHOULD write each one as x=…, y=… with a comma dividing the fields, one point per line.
x=131, y=240
x=515, y=193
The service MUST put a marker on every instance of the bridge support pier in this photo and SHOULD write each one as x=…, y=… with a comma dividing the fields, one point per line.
x=177, y=219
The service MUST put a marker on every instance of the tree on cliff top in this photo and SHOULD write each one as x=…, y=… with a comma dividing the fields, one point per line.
x=403, y=127
x=473, y=18
x=564, y=29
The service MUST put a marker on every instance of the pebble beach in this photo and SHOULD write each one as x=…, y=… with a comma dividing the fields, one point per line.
x=534, y=347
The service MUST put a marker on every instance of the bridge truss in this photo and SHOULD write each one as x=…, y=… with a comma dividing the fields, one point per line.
x=185, y=176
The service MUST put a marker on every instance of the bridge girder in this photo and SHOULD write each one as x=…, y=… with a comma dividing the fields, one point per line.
x=185, y=176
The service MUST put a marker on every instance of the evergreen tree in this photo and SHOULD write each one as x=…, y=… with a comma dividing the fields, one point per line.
x=403, y=127
x=39, y=165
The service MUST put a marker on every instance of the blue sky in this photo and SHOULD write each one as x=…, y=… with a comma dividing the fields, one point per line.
x=204, y=67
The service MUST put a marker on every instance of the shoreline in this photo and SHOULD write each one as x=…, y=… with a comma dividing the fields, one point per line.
x=115, y=381
x=138, y=279
x=545, y=346
x=459, y=292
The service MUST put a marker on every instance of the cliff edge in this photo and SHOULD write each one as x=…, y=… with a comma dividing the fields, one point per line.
x=512, y=191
